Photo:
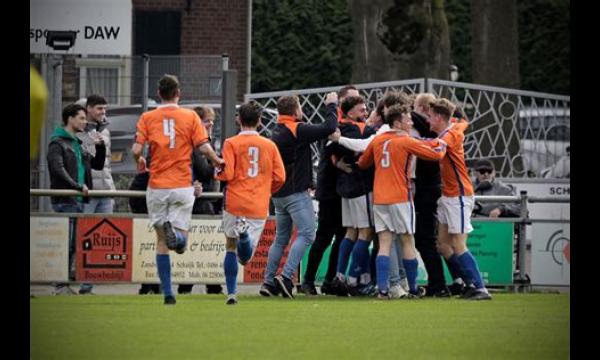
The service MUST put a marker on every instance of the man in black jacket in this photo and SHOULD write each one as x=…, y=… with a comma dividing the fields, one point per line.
x=329, y=221
x=427, y=192
x=70, y=167
x=293, y=204
x=356, y=189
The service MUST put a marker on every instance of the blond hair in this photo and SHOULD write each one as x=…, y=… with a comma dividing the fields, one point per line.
x=424, y=99
x=443, y=107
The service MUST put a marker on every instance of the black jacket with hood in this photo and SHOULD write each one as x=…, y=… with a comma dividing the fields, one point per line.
x=62, y=164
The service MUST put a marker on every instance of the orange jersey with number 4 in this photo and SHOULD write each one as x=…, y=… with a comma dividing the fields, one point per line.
x=253, y=171
x=172, y=133
x=393, y=153
x=453, y=169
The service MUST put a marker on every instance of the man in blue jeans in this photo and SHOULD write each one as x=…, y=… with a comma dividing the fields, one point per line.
x=293, y=204
x=70, y=168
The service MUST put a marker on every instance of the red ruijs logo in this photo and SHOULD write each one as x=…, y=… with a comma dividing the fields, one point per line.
x=104, y=249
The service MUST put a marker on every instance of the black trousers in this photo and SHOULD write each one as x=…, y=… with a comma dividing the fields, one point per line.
x=425, y=234
x=329, y=224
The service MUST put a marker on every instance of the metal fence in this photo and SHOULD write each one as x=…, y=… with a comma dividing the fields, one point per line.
x=313, y=103
x=526, y=134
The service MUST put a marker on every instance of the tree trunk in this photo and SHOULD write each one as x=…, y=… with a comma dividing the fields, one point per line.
x=495, y=43
x=401, y=39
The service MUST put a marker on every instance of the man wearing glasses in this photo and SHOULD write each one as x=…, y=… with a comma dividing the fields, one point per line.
x=487, y=184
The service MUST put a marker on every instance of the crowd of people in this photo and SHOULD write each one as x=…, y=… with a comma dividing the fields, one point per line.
x=393, y=179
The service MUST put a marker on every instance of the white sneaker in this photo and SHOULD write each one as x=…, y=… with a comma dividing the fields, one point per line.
x=404, y=284
x=231, y=299
x=397, y=292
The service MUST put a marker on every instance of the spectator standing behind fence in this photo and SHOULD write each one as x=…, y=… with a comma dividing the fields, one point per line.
x=486, y=184
x=70, y=166
x=202, y=172
x=293, y=204
x=102, y=179
x=172, y=133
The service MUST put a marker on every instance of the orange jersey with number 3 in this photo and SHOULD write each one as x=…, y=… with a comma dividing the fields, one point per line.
x=455, y=176
x=172, y=133
x=253, y=171
x=392, y=153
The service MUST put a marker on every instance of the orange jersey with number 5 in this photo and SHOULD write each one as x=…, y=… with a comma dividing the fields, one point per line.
x=253, y=171
x=172, y=133
x=392, y=153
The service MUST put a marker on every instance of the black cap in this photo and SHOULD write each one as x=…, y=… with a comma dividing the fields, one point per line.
x=484, y=164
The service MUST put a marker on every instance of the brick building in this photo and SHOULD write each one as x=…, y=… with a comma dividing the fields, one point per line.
x=187, y=28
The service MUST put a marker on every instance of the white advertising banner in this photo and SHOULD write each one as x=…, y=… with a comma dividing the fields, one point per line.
x=550, y=242
x=551, y=254
x=560, y=211
x=103, y=27
x=48, y=249
x=202, y=262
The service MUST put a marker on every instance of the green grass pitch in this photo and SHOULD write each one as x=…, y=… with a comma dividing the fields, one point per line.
x=511, y=326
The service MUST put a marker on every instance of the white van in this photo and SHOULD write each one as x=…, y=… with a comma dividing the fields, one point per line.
x=545, y=138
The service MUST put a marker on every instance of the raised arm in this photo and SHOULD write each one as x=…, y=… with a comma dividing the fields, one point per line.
x=311, y=133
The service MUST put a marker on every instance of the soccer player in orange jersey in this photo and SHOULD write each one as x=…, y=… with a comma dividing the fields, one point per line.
x=456, y=204
x=172, y=133
x=253, y=171
x=393, y=153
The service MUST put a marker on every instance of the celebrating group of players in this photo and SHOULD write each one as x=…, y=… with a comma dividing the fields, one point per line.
x=371, y=161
